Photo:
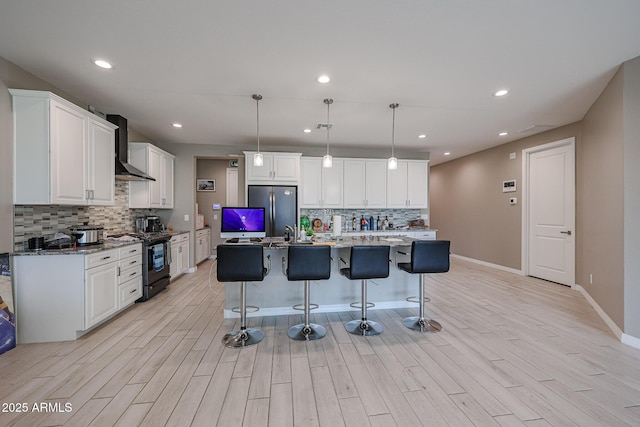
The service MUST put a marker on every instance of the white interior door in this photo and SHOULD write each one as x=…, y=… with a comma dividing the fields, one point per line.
x=232, y=186
x=550, y=209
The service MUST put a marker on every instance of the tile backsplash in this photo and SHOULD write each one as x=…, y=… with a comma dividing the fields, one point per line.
x=397, y=217
x=45, y=220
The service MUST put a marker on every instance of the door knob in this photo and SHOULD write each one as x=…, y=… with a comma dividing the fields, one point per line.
x=566, y=232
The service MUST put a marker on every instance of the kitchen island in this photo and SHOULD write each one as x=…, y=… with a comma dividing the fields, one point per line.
x=275, y=295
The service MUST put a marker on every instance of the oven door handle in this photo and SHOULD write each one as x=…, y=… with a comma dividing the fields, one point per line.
x=167, y=249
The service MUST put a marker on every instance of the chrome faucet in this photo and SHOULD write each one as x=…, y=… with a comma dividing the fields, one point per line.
x=291, y=229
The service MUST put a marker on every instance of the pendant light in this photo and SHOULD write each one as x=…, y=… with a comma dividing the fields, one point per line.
x=258, y=160
x=392, y=163
x=327, y=160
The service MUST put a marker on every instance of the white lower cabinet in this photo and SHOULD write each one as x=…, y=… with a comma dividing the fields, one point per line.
x=203, y=244
x=129, y=275
x=179, y=255
x=101, y=296
x=59, y=297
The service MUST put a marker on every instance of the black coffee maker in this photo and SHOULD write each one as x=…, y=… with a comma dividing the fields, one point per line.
x=153, y=224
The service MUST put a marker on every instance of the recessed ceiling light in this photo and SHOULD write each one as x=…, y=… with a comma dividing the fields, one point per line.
x=447, y=153
x=177, y=125
x=501, y=92
x=422, y=136
x=307, y=131
x=103, y=64
x=503, y=134
x=324, y=79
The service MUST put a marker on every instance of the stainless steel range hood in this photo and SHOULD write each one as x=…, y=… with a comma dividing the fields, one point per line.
x=124, y=171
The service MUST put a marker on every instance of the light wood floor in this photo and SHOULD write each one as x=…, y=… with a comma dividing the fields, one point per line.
x=514, y=351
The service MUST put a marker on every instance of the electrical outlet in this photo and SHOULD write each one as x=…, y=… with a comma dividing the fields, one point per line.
x=512, y=156
x=215, y=217
x=186, y=217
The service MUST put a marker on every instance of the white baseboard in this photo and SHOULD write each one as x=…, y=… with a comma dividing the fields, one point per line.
x=629, y=340
x=488, y=264
x=191, y=270
x=332, y=308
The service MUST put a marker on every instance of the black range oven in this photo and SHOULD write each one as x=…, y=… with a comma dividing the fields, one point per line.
x=156, y=249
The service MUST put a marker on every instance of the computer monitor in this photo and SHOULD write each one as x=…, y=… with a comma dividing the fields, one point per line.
x=242, y=223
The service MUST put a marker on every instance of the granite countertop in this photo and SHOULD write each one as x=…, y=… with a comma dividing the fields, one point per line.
x=177, y=232
x=81, y=250
x=345, y=242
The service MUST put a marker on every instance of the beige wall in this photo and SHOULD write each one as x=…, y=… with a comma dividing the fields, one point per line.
x=600, y=179
x=469, y=208
x=631, y=102
x=6, y=166
x=212, y=169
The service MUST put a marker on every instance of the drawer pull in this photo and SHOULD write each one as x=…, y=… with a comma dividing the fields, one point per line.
x=133, y=262
x=133, y=274
x=105, y=257
x=133, y=291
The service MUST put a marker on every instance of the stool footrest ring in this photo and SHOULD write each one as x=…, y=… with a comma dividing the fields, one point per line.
x=358, y=304
x=250, y=309
x=417, y=299
x=301, y=307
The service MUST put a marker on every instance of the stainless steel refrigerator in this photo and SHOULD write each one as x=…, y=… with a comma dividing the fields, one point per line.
x=280, y=203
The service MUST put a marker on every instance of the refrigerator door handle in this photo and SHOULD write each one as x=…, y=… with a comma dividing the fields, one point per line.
x=272, y=197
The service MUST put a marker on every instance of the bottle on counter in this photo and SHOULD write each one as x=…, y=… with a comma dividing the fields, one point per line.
x=378, y=225
x=372, y=224
x=385, y=223
x=353, y=222
x=363, y=223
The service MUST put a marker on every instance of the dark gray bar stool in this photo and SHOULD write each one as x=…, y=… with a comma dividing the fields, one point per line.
x=427, y=256
x=366, y=262
x=241, y=263
x=306, y=262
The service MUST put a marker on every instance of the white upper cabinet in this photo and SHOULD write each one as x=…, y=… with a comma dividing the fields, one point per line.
x=64, y=155
x=321, y=187
x=408, y=186
x=365, y=183
x=100, y=173
x=158, y=164
x=278, y=168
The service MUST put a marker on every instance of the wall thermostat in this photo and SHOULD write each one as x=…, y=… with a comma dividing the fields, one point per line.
x=509, y=186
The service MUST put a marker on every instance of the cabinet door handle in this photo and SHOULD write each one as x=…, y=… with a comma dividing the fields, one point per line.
x=566, y=232
x=118, y=271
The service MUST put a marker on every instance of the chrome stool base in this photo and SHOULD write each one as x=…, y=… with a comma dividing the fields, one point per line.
x=302, y=332
x=365, y=328
x=422, y=324
x=240, y=338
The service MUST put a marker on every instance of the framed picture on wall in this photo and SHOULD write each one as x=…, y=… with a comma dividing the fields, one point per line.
x=206, y=185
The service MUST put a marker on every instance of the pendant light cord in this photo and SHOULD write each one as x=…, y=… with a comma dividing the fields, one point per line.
x=257, y=98
x=393, y=127
x=328, y=101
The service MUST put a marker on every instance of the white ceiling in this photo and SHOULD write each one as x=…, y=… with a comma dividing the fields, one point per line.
x=199, y=62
